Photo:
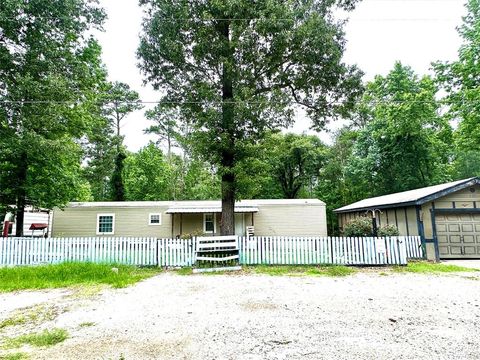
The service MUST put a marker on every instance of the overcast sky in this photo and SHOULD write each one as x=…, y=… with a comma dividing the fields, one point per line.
x=379, y=32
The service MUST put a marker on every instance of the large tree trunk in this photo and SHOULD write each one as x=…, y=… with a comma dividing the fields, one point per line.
x=21, y=194
x=227, y=223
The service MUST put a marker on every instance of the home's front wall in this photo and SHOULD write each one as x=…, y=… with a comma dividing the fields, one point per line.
x=295, y=220
x=129, y=221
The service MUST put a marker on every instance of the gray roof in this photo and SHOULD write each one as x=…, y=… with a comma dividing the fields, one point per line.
x=197, y=203
x=411, y=197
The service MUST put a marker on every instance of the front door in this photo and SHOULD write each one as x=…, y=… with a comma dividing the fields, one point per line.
x=240, y=224
x=458, y=235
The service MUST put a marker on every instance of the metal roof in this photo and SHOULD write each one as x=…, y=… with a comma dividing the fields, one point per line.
x=411, y=197
x=196, y=203
x=208, y=210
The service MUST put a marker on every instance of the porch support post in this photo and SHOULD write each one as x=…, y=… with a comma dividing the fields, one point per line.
x=173, y=225
x=181, y=224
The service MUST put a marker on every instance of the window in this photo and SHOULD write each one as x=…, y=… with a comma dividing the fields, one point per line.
x=155, y=219
x=209, y=223
x=105, y=224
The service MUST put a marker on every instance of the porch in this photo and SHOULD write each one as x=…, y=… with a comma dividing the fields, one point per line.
x=188, y=221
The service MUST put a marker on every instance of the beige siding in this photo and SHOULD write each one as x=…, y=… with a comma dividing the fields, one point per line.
x=130, y=221
x=295, y=220
x=298, y=219
x=412, y=221
x=402, y=221
x=427, y=220
x=463, y=199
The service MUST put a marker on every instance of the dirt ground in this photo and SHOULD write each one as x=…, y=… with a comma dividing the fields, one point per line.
x=369, y=315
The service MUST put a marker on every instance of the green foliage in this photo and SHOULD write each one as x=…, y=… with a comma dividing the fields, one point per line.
x=118, y=189
x=49, y=73
x=335, y=186
x=232, y=74
x=388, y=230
x=149, y=175
x=460, y=81
x=361, y=226
x=404, y=144
x=146, y=175
x=295, y=162
x=41, y=339
x=165, y=125
x=69, y=274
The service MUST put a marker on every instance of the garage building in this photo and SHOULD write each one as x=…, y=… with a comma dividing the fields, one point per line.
x=446, y=216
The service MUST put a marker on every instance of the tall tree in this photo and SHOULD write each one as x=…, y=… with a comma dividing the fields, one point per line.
x=461, y=79
x=165, y=125
x=49, y=69
x=120, y=101
x=404, y=144
x=237, y=69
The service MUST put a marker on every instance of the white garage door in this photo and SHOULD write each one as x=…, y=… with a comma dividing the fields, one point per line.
x=458, y=235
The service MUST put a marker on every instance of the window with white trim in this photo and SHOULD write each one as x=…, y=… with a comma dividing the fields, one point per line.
x=155, y=219
x=209, y=223
x=105, y=224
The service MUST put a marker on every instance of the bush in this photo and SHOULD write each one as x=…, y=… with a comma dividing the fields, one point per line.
x=361, y=226
x=388, y=230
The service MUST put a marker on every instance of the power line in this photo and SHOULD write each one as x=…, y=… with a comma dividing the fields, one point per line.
x=207, y=102
x=281, y=19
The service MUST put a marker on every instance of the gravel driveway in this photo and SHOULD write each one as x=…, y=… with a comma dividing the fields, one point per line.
x=365, y=316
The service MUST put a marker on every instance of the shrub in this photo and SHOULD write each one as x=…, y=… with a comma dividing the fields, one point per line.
x=388, y=230
x=361, y=226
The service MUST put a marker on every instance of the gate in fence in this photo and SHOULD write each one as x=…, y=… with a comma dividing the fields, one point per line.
x=268, y=250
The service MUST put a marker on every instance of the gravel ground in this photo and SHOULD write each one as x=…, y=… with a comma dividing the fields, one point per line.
x=365, y=316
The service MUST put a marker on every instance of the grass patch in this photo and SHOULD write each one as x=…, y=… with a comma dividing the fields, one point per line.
x=333, y=270
x=424, y=267
x=35, y=314
x=184, y=271
x=42, y=339
x=87, y=324
x=69, y=274
x=14, y=356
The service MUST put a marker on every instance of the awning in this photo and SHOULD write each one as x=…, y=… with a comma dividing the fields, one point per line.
x=209, y=210
x=37, y=226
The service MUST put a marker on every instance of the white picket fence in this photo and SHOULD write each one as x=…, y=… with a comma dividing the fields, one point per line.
x=268, y=250
x=282, y=250
x=414, y=247
x=32, y=251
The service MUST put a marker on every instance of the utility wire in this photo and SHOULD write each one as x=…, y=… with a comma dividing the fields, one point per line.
x=206, y=102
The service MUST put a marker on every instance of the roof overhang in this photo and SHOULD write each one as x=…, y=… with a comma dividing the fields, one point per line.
x=419, y=201
x=209, y=210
